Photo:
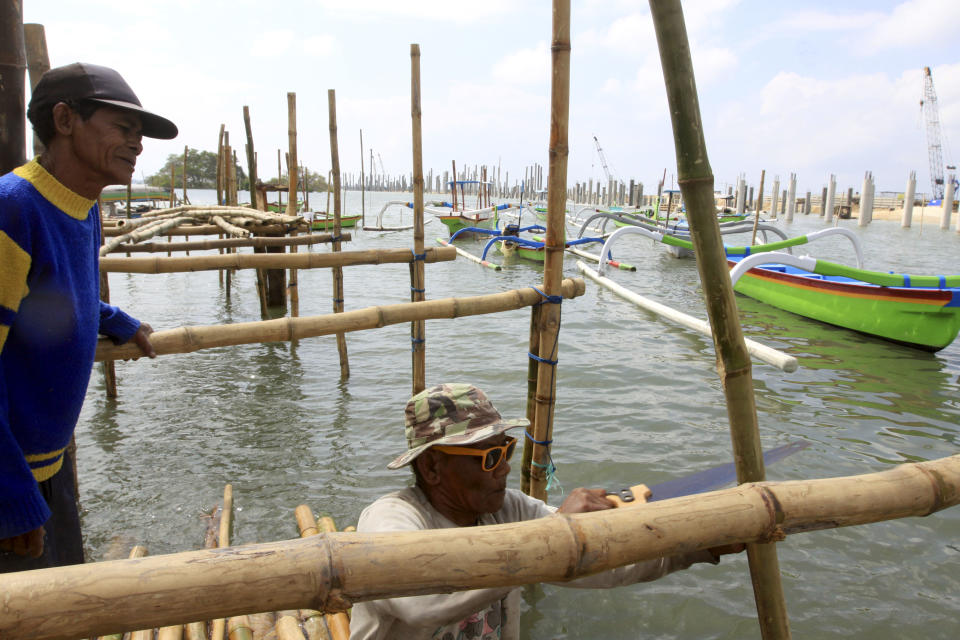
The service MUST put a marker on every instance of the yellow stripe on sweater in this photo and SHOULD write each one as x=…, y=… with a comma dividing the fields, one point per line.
x=14, y=267
x=68, y=201
x=48, y=471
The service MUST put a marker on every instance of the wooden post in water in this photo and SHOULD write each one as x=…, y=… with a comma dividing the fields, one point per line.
x=257, y=201
x=453, y=185
x=733, y=359
x=363, y=186
x=292, y=209
x=417, y=275
x=337, y=271
x=186, y=200
x=109, y=371
x=758, y=208
x=38, y=63
x=220, y=165
x=541, y=429
x=173, y=189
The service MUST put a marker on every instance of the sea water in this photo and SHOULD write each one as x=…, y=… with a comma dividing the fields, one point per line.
x=638, y=400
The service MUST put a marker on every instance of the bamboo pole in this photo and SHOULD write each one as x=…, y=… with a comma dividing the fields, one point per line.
x=756, y=220
x=337, y=271
x=218, y=625
x=417, y=275
x=186, y=200
x=38, y=63
x=13, y=64
x=292, y=209
x=337, y=622
x=189, y=339
x=313, y=620
x=251, y=158
x=534, y=347
x=200, y=245
x=549, y=326
x=330, y=572
x=238, y=628
x=109, y=370
x=363, y=187
x=733, y=360
x=220, y=166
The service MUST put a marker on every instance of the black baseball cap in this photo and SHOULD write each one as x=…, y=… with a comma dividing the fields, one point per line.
x=82, y=81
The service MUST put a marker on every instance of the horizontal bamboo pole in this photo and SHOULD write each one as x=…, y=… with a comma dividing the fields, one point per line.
x=158, y=264
x=212, y=229
x=190, y=339
x=329, y=572
x=200, y=245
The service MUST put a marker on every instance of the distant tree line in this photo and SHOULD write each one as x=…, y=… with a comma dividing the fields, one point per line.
x=202, y=173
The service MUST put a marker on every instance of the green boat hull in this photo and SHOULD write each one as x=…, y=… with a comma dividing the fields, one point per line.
x=916, y=317
x=325, y=224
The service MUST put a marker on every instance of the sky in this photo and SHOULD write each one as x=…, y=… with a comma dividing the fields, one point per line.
x=808, y=87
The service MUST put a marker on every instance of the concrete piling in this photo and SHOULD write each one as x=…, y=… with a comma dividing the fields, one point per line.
x=947, y=203
x=791, y=197
x=831, y=194
x=908, y=196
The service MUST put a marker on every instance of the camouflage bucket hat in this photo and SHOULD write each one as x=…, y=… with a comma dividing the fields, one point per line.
x=450, y=414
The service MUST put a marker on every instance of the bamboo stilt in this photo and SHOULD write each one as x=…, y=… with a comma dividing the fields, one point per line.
x=218, y=626
x=330, y=572
x=337, y=271
x=417, y=276
x=251, y=158
x=186, y=200
x=189, y=339
x=541, y=465
x=294, y=173
x=696, y=183
x=108, y=368
x=38, y=63
x=532, y=367
x=220, y=166
x=338, y=623
x=363, y=187
x=317, y=627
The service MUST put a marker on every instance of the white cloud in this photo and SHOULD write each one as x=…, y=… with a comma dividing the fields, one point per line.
x=525, y=66
x=272, y=44
x=457, y=11
x=321, y=46
x=912, y=22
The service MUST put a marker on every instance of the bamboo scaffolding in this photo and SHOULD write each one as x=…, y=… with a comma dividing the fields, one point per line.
x=337, y=271
x=190, y=339
x=534, y=347
x=417, y=275
x=180, y=264
x=200, y=245
x=332, y=571
x=733, y=360
x=294, y=173
x=541, y=429
x=212, y=230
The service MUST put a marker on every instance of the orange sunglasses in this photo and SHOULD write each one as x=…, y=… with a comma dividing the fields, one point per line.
x=490, y=458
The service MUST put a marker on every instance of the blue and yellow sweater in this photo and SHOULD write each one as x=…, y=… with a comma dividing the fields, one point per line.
x=50, y=315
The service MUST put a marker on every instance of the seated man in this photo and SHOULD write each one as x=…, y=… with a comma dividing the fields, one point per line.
x=459, y=450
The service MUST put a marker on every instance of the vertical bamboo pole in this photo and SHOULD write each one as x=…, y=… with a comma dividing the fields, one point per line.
x=38, y=63
x=186, y=200
x=13, y=64
x=363, y=186
x=256, y=203
x=759, y=207
x=417, y=276
x=337, y=271
x=173, y=188
x=696, y=181
x=218, y=626
x=220, y=165
x=313, y=621
x=549, y=325
x=338, y=623
x=292, y=208
x=534, y=347
x=453, y=185
x=109, y=371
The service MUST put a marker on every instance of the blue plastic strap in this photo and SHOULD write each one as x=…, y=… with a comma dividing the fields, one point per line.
x=542, y=443
x=943, y=281
x=335, y=238
x=551, y=470
x=415, y=290
x=552, y=363
x=338, y=299
x=546, y=298
x=746, y=251
x=418, y=256
x=906, y=280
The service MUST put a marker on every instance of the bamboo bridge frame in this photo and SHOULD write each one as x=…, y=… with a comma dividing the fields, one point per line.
x=325, y=571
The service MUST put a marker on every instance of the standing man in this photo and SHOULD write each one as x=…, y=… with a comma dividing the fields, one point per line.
x=459, y=450
x=91, y=124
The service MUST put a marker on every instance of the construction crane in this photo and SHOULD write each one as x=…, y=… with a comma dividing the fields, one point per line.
x=930, y=112
x=603, y=160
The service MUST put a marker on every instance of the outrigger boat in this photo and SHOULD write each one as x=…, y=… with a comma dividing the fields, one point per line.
x=916, y=311
x=510, y=243
x=458, y=218
x=323, y=221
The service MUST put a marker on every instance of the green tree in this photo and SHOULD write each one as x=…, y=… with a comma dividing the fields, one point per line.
x=201, y=171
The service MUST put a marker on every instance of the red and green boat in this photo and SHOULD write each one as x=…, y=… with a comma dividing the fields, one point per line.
x=917, y=311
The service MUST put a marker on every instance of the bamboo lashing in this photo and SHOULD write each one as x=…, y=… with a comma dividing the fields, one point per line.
x=541, y=429
x=330, y=572
x=532, y=368
x=190, y=339
x=695, y=177
x=337, y=271
x=222, y=243
x=417, y=275
x=293, y=171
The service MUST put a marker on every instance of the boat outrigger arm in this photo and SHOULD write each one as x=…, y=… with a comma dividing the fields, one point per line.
x=741, y=251
x=391, y=203
x=824, y=268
